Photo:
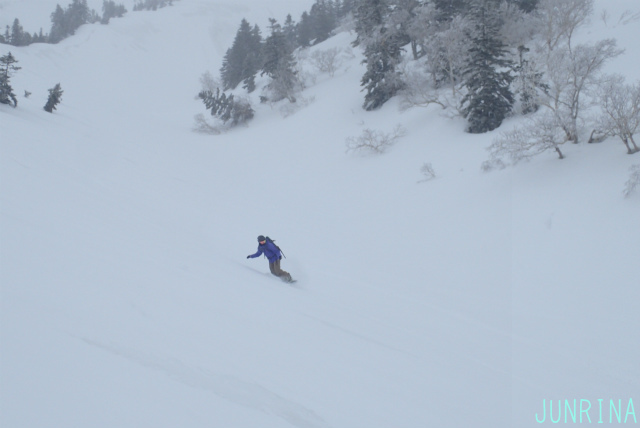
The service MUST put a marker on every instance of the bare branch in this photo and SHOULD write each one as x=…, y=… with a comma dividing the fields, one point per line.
x=373, y=141
x=522, y=143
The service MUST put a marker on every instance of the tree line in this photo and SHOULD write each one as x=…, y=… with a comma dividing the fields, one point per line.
x=66, y=21
x=484, y=60
x=272, y=56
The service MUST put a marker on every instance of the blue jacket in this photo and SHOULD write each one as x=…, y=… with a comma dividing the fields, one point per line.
x=270, y=250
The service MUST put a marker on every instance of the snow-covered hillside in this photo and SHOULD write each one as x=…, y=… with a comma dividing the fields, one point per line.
x=127, y=301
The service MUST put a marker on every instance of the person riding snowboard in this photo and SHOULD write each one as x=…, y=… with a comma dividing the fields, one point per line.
x=273, y=253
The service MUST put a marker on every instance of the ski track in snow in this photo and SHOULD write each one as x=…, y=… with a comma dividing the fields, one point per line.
x=230, y=388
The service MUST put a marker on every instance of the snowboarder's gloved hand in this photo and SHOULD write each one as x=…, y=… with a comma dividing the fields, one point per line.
x=248, y=257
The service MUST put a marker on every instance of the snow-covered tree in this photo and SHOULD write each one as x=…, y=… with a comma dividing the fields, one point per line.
x=487, y=77
x=326, y=61
x=422, y=27
x=151, y=4
x=280, y=65
x=318, y=24
x=111, y=10
x=538, y=135
x=323, y=19
x=58, y=25
x=620, y=104
x=401, y=19
x=55, y=96
x=227, y=108
x=244, y=59
x=306, y=32
x=570, y=72
x=64, y=23
x=290, y=30
x=448, y=9
x=526, y=5
x=382, y=50
x=448, y=52
x=7, y=68
x=559, y=19
x=517, y=27
x=18, y=35
x=77, y=14
x=529, y=81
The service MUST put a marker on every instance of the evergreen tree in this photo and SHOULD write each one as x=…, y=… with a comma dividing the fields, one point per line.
x=489, y=98
x=347, y=7
x=42, y=38
x=58, y=25
x=7, y=67
x=243, y=60
x=400, y=19
x=151, y=4
x=64, y=23
x=323, y=20
x=290, y=30
x=6, y=37
x=279, y=64
x=318, y=24
x=448, y=9
x=18, y=36
x=305, y=30
x=254, y=60
x=77, y=14
x=382, y=50
x=55, y=96
x=227, y=108
x=111, y=10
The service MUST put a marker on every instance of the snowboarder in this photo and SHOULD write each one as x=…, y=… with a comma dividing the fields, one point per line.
x=273, y=253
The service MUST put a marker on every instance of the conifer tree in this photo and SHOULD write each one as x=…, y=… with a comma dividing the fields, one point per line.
x=227, y=108
x=111, y=10
x=244, y=59
x=346, y=7
x=7, y=67
x=55, y=96
x=78, y=14
x=64, y=23
x=279, y=64
x=290, y=30
x=305, y=30
x=323, y=19
x=58, y=25
x=448, y=9
x=18, y=36
x=382, y=50
x=486, y=77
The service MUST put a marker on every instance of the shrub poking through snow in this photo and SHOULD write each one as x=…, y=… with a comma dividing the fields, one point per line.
x=428, y=172
x=374, y=141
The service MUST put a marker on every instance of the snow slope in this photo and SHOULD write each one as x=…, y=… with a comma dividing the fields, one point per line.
x=127, y=300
